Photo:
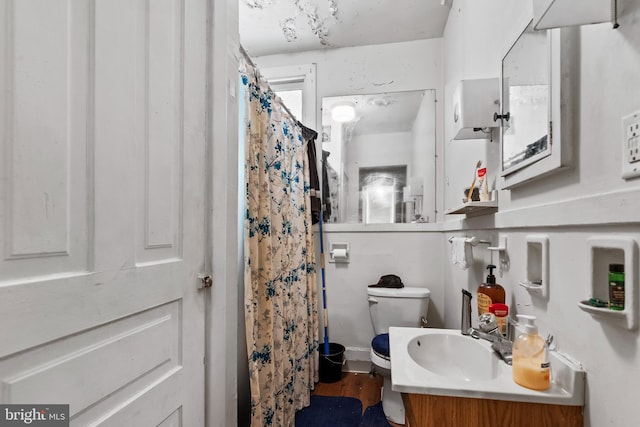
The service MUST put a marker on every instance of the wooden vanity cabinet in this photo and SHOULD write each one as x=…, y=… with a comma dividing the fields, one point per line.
x=426, y=410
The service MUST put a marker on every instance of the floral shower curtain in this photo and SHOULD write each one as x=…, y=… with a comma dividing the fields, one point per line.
x=281, y=311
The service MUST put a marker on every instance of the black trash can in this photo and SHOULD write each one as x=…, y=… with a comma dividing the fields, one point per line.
x=330, y=369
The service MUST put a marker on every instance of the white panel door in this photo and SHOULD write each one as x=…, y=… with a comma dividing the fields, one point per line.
x=102, y=196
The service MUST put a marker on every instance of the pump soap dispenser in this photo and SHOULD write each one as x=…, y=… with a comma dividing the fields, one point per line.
x=489, y=292
x=530, y=366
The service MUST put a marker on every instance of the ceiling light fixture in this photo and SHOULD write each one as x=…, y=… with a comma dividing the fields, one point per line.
x=343, y=112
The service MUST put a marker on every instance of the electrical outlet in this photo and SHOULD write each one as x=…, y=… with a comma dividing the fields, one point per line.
x=631, y=146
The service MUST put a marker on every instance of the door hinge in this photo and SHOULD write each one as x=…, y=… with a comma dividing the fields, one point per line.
x=206, y=281
x=550, y=133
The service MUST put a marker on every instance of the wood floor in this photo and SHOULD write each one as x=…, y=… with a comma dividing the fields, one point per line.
x=358, y=385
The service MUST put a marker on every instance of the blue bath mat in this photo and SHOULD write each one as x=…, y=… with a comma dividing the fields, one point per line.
x=330, y=411
x=374, y=417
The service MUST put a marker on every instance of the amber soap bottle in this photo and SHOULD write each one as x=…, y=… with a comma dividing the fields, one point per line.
x=489, y=292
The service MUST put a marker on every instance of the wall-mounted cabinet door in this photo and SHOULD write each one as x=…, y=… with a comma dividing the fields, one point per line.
x=537, y=89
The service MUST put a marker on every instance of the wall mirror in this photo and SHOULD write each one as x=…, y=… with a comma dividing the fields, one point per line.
x=379, y=155
x=536, y=104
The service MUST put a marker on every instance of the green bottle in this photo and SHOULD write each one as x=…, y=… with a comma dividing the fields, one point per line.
x=616, y=286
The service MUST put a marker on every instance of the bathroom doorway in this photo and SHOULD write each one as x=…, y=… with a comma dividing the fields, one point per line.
x=381, y=200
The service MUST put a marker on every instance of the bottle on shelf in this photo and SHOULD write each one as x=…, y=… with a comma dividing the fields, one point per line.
x=616, y=286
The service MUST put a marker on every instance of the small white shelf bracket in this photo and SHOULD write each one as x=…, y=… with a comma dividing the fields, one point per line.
x=502, y=246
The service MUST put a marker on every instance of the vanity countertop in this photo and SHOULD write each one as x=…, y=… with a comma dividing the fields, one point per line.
x=407, y=376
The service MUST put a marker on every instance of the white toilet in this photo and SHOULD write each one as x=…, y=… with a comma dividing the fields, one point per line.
x=407, y=307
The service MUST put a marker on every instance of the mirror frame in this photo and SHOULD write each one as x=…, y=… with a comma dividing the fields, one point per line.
x=563, y=60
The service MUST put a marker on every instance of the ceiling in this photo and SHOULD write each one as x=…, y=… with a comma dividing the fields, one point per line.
x=378, y=113
x=283, y=26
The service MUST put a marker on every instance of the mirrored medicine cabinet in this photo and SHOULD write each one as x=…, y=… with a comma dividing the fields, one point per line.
x=538, y=83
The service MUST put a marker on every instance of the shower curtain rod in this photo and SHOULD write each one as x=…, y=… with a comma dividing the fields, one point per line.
x=248, y=59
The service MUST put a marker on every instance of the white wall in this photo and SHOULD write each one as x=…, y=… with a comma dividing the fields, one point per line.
x=476, y=36
x=587, y=200
x=414, y=256
x=223, y=301
x=392, y=67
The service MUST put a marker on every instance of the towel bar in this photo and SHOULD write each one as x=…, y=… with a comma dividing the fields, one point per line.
x=473, y=241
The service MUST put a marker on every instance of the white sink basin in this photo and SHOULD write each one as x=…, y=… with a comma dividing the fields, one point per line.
x=444, y=362
x=456, y=357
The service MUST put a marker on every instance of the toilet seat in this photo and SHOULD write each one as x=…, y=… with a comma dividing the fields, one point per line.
x=380, y=344
x=380, y=353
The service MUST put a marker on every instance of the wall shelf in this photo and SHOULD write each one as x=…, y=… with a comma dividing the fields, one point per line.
x=475, y=208
x=502, y=245
x=613, y=250
x=602, y=311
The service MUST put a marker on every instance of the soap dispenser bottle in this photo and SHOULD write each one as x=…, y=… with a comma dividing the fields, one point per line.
x=530, y=366
x=489, y=292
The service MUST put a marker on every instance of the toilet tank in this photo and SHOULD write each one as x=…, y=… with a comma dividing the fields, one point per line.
x=397, y=307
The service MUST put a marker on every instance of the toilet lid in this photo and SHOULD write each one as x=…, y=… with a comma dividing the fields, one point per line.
x=380, y=344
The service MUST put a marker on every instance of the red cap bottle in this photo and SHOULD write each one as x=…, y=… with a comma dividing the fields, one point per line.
x=501, y=311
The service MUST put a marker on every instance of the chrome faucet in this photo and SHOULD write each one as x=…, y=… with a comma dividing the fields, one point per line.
x=487, y=331
x=499, y=343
